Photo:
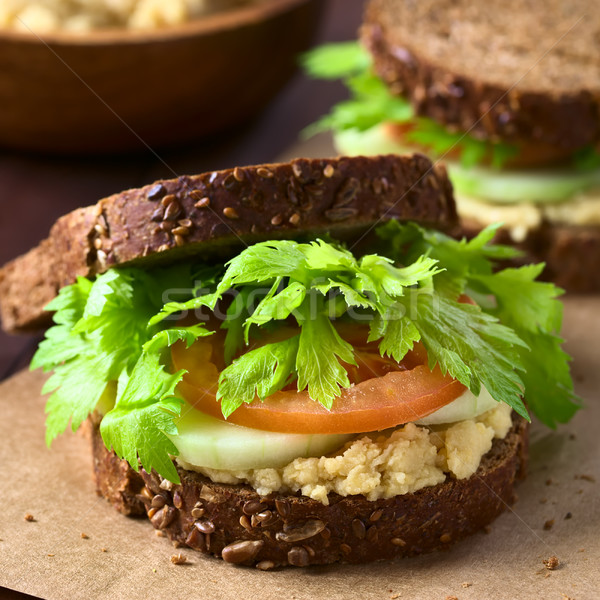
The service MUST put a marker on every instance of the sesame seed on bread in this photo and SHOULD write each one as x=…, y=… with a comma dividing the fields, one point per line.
x=215, y=214
x=509, y=70
x=235, y=523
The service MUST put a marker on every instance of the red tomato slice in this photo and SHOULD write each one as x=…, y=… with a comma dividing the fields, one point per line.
x=397, y=394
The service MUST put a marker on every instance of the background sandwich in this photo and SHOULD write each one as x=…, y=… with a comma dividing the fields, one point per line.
x=309, y=348
x=506, y=94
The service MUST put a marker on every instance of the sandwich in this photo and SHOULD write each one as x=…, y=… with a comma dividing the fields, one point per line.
x=294, y=364
x=507, y=94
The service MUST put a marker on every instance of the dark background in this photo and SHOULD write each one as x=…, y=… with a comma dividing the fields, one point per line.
x=36, y=190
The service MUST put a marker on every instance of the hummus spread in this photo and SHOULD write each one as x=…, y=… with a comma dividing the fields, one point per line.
x=382, y=465
x=519, y=219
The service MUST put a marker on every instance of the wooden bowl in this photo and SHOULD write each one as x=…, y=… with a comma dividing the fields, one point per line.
x=118, y=90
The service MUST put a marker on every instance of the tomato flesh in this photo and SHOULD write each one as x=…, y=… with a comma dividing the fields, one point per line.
x=384, y=393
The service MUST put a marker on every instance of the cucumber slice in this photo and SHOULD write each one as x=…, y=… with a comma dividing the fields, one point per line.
x=550, y=185
x=467, y=406
x=204, y=441
x=542, y=186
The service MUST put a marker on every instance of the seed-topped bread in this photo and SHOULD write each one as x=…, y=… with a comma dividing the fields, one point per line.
x=510, y=69
x=234, y=522
x=216, y=212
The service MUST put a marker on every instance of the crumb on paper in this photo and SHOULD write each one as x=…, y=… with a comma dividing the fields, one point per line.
x=451, y=598
x=543, y=500
x=580, y=491
x=84, y=536
x=589, y=478
x=154, y=570
x=159, y=533
x=549, y=481
x=176, y=543
x=581, y=550
x=565, y=597
x=103, y=550
x=548, y=524
x=551, y=563
x=487, y=529
x=51, y=555
x=466, y=584
x=572, y=436
x=29, y=517
x=568, y=516
x=394, y=596
x=178, y=559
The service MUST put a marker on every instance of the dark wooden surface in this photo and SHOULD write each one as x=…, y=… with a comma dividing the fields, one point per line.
x=36, y=190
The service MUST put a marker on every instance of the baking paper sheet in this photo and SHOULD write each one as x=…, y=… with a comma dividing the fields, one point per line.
x=120, y=557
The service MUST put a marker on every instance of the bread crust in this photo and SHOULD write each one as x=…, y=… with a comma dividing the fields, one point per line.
x=234, y=522
x=569, y=120
x=213, y=214
x=571, y=253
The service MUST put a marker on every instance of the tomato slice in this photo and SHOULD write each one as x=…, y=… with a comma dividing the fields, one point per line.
x=399, y=393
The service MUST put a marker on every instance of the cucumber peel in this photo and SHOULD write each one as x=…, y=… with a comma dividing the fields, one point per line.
x=204, y=441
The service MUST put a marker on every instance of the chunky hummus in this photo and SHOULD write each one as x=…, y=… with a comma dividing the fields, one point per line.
x=382, y=465
x=519, y=219
x=39, y=16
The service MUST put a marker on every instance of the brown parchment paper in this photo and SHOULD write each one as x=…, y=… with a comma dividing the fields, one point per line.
x=123, y=558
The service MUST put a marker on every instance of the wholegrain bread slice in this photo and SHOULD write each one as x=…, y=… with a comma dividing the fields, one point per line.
x=234, y=522
x=213, y=214
x=507, y=70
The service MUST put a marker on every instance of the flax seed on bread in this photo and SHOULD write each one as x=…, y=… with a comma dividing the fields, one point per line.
x=503, y=70
x=216, y=212
x=234, y=522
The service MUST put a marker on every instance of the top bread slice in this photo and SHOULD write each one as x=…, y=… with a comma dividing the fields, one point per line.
x=214, y=214
x=511, y=70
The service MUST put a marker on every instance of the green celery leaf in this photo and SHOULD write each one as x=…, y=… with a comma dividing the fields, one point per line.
x=60, y=345
x=260, y=372
x=77, y=386
x=175, y=308
x=547, y=379
x=332, y=61
x=143, y=415
x=473, y=151
x=469, y=344
x=324, y=256
x=262, y=263
x=237, y=313
x=394, y=280
x=396, y=331
x=113, y=285
x=535, y=314
x=317, y=362
x=534, y=306
x=167, y=337
x=351, y=296
x=114, y=305
x=277, y=307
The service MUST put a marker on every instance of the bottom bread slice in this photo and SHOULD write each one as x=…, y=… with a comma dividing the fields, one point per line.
x=234, y=522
